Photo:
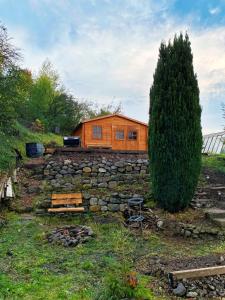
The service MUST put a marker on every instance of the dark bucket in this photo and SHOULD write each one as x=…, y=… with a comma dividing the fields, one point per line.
x=34, y=149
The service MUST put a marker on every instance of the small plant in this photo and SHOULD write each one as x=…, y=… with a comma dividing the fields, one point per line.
x=124, y=285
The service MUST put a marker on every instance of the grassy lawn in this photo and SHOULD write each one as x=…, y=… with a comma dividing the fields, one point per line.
x=31, y=268
x=39, y=270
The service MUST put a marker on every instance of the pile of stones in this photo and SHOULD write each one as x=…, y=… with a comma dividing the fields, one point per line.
x=70, y=236
x=202, y=288
x=194, y=231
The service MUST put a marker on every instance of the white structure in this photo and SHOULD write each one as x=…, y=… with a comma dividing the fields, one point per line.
x=214, y=143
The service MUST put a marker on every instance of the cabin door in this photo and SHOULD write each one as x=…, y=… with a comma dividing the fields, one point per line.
x=119, y=135
x=107, y=135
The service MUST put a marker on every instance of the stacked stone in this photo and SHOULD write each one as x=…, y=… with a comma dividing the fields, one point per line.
x=193, y=231
x=115, y=202
x=97, y=173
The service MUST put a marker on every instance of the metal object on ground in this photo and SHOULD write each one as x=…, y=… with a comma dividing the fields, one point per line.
x=71, y=141
x=214, y=143
x=138, y=217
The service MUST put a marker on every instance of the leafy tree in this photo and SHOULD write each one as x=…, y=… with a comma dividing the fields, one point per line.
x=43, y=93
x=9, y=55
x=64, y=113
x=92, y=110
x=175, y=138
x=11, y=84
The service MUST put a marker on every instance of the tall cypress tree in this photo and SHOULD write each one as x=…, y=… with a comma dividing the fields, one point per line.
x=175, y=138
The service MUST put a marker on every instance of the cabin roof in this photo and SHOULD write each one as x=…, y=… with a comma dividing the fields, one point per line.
x=109, y=116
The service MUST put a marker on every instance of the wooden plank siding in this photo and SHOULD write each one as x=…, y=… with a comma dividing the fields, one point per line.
x=110, y=125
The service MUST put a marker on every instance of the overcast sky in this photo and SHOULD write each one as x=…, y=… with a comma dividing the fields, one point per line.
x=107, y=50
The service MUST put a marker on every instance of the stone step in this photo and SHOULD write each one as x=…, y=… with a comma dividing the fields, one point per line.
x=214, y=213
x=217, y=188
x=202, y=203
x=201, y=194
x=219, y=221
x=203, y=200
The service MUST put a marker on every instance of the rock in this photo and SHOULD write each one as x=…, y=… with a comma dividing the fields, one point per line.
x=46, y=172
x=128, y=168
x=112, y=184
x=103, y=185
x=160, y=224
x=102, y=170
x=119, y=164
x=123, y=207
x=93, y=201
x=114, y=207
x=192, y=295
x=87, y=186
x=180, y=290
x=221, y=259
x=67, y=161
x=211, y=287
x=95, y=208
x=187, y=233
x=104, y=208
x=102, y=202
x=86, y=170
x=63, y=172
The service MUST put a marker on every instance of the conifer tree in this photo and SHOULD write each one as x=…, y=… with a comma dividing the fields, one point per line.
x=175, y=138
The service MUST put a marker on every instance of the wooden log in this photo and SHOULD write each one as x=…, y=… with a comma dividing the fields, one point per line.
x=66, y=209
x=66, y=196
x=66, y=201
x=197, y=273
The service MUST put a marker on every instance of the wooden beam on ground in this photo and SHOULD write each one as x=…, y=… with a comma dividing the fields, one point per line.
x=196, y=273
x=66, y=209
x=66, y=196
x=66, y=201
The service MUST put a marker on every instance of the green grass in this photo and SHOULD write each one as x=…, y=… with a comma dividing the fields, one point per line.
x=91, y=271
x=39, y=270
x=24, y=135
x=216, y=162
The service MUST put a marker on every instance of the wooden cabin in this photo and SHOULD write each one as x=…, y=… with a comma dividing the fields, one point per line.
x=115, y=132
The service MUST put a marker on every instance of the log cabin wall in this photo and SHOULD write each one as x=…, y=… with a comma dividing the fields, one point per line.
x=114, y=132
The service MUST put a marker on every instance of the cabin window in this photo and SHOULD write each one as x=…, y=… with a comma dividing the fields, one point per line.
x=132, y=135
x=120, y=134
x=97, y=132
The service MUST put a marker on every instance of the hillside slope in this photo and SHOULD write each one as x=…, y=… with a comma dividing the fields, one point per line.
x=22, y=135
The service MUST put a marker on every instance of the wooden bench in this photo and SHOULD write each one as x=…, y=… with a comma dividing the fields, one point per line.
x=65, y=201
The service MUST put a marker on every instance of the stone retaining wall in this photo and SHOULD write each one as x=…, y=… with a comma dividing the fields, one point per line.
x=106, y=180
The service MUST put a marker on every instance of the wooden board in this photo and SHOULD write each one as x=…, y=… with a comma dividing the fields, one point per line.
x=196, y=273
x=67, y=196
x=66, y=201
x=66, y=209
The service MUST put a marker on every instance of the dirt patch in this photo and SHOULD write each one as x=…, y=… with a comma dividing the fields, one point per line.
x=159, y=265
x=213, y=177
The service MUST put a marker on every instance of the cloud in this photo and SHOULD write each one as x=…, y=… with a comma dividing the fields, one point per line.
x=110, y=52
x=214, y=10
